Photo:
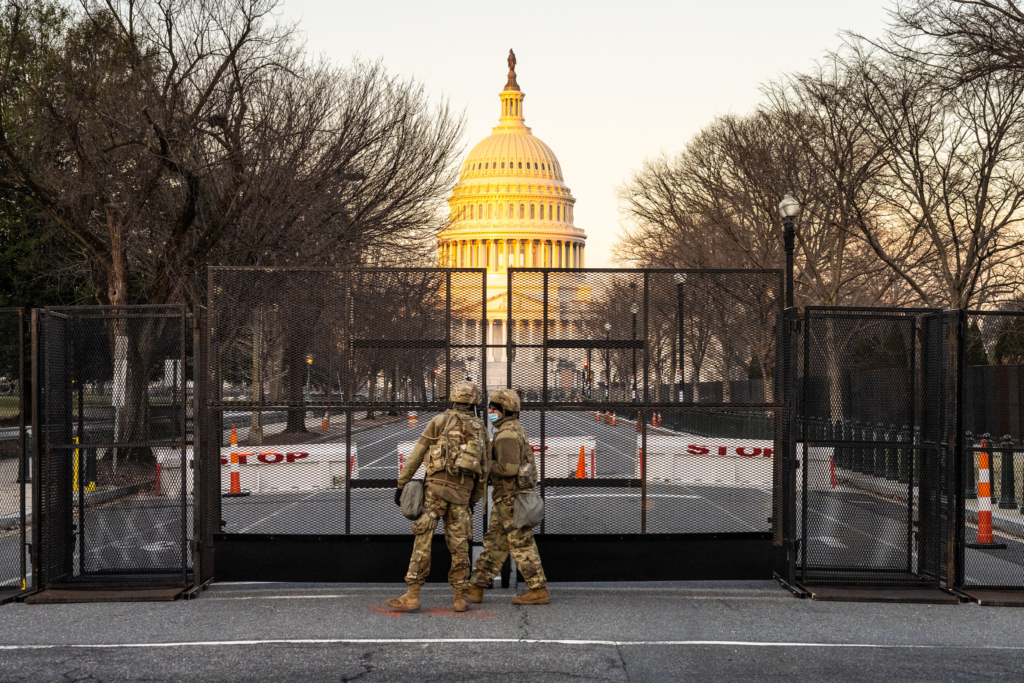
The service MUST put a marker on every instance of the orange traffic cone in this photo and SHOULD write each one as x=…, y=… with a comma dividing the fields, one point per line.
x=659, y=418
x=327, y=421
x=413, y=419
x=581, y=466
x=607, y=417
x=985, y=538
x=654, y=419
x=614, y=421
x=599, y=416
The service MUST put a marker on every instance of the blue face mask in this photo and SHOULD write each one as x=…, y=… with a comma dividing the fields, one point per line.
x=494, y=417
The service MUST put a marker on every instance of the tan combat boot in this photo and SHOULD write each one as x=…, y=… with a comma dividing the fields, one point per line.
x=536, y=596
x=460, y=604
x=475, y=594
x=410, y=602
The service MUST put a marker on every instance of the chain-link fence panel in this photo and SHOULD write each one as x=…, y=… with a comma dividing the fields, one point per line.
x=992, y=395
x=642, y=337
x=292, y=337
x=15, y=519
x=323, y=381
x=867, y=383
x=116, y=480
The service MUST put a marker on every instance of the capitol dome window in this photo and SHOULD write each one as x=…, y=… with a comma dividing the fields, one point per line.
x=520, y=164
x=531, y=211
x=542, y=212
x=490, y=210
x=511, y=211
x=500, y=211
x=503, y=165
x=527, y=165
x=522, y=212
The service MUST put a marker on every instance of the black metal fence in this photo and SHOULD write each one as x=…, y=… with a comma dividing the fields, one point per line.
x=991, y=393
x=870, y=447
x=322, y=380
x=680, y=420
x=15, y=516
x=114, y=474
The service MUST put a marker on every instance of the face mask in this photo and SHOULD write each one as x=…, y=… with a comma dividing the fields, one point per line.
x=494, y=417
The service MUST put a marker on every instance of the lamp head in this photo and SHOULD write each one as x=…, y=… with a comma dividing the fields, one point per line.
x=607, y=327
x=680, y=278
x=789, y=207
x=634, y=309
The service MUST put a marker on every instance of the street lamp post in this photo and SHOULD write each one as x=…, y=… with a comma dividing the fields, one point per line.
x=589, y=379
x=680, y=279
x=634, y=309
x=607, y=362
x=789, y=208
x=309, y=368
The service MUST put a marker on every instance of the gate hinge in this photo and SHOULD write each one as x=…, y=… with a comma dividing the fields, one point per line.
x=796, y=323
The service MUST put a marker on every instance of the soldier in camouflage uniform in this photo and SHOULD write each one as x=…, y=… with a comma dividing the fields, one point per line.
x=451, y=491
x=509, y=450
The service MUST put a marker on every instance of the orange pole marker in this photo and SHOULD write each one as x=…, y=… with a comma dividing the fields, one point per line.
x=581, y=465
x=592, y=475
x=236, y=477
x=327, y=421
x=234, y=436
x=413, y=419
x=156, y=490
x=599, y=416
x=985, y=538
x=639, y=419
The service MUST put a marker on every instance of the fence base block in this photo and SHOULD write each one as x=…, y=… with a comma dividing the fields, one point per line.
x=923, y=596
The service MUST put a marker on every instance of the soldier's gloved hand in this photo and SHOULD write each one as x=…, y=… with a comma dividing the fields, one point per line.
x=398, y=497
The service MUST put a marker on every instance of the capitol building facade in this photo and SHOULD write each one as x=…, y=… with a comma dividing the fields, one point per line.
x=510, y=208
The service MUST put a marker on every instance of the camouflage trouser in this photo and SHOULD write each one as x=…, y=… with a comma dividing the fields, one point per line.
x=499, y=540
x=458, y=529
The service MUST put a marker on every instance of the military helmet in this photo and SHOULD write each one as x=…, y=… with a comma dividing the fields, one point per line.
x=507, y=399
x=464, y=392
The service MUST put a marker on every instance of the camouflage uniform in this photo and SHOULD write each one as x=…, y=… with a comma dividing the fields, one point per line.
x=509, y=449
x=447, y=496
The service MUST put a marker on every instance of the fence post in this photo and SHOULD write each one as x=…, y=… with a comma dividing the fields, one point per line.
x=1007, y=501
x=879, y=453
x=891, y=454
x=970, y=489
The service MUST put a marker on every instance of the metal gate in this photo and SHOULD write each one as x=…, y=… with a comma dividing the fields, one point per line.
x=652, y=402
x=114, y=476
x=870, y=447
x=991, y=394
x=321, y=381
x=15, y=564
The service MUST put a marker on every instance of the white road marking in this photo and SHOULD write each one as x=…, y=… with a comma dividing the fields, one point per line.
x=551, y=496
x=526, y=641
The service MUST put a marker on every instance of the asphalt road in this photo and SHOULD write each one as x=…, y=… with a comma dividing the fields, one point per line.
x=740, y=631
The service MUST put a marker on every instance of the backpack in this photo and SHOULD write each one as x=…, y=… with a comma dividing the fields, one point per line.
x=460, y=446
x=526, y=477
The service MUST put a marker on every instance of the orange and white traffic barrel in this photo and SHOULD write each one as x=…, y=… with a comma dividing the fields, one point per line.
x=985, y=539
x=414, y=420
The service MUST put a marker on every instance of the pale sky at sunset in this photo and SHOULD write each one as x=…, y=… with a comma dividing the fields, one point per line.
x=607, y=84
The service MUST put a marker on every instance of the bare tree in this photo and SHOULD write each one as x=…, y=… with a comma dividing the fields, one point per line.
x=979, y=37
x=715, y=205
x=948, y=209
